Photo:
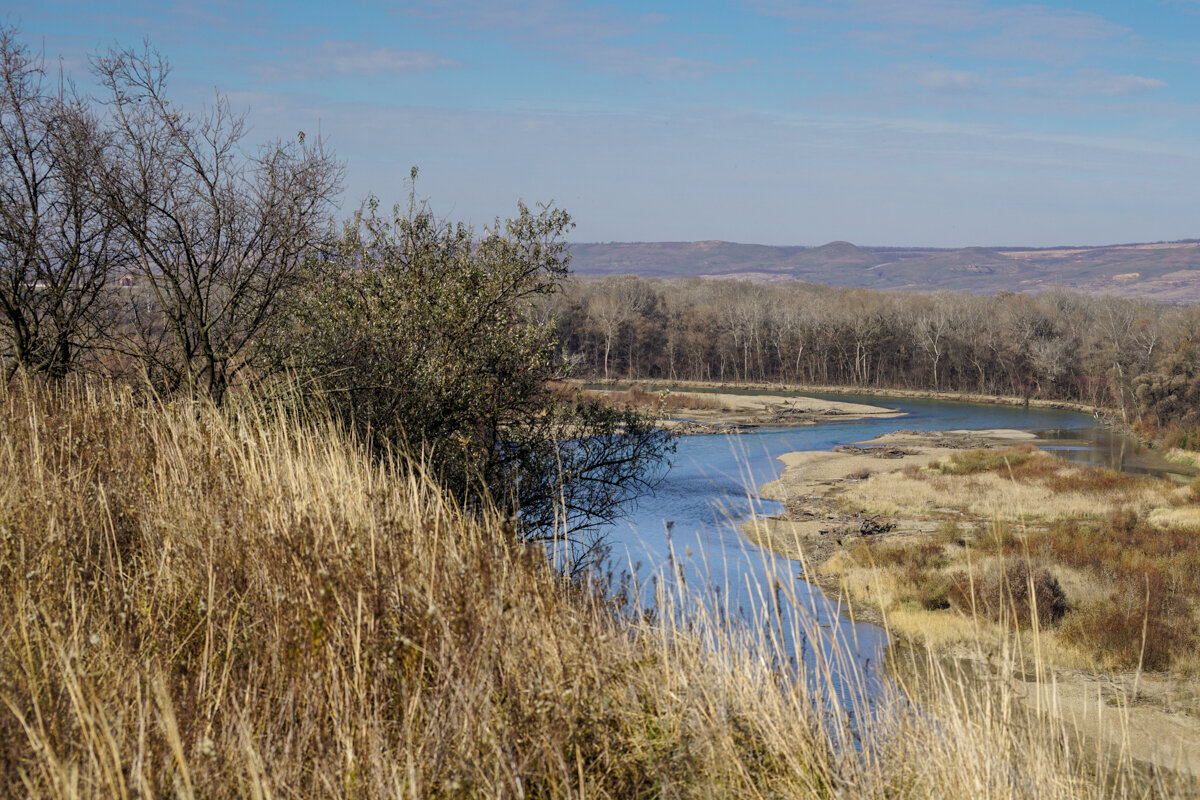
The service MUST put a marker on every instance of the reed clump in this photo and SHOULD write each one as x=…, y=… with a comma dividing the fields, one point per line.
x=969, y=462
x=1013, y=589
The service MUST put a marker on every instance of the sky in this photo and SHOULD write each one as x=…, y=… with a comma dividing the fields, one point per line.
x=942, y=123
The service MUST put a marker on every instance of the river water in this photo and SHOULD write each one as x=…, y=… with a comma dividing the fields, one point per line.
x=685, y=539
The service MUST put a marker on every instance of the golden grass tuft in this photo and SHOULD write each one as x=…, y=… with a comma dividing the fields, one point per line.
x=968, y=462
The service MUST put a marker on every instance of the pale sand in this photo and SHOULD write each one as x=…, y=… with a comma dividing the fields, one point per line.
x=798, y=403
x=742, y=410
x=1097, y=707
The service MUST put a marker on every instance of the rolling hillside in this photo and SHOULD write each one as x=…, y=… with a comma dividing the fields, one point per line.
x=1163, y=271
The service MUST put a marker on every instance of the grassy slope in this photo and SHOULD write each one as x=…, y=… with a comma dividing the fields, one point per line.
x=231, y=603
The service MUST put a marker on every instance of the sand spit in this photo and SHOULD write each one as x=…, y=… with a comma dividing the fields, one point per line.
x=719, y=412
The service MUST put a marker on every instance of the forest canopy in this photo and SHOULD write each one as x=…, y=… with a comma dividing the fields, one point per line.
x=1139, y=359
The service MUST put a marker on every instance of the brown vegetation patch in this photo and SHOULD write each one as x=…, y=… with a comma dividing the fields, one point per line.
x=1153, y=575
x=1029, y=518
x=1013, y=592
x=636, y=397
x=1097, y=480
x=1027, y=463
x=982, y=460
x=917, y=562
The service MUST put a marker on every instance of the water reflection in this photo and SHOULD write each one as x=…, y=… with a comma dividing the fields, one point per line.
x=1102, y=447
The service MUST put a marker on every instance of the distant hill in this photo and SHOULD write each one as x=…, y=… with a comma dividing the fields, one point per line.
x=1167, y=271
x=841, y=254
x=677, y=258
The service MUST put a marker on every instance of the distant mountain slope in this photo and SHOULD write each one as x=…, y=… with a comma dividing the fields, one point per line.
x=1164, y=271
x=677, y=258
x=841, y=254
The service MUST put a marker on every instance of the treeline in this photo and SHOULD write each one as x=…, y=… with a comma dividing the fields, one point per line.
x=1134, y=357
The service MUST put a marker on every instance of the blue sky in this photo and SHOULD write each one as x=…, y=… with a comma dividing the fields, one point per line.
x=883, y=122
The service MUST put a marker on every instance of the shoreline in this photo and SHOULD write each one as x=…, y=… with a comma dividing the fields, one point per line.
x=810, y=389
x=714, y=412
x=812, y=525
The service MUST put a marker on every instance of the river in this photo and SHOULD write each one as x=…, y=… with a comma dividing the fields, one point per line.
x=687, y=534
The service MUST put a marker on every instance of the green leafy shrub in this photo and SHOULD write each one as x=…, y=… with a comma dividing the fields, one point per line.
x=425, y=337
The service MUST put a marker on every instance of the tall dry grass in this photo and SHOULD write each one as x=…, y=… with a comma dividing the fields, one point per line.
x=227, y=603
x=204, y=602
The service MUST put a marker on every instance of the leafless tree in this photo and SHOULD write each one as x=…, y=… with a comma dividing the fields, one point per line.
x=58, y=249
x=614, y=303
x=933, y=329
x=1115, y=319
x=220, y=233
x=865, y=327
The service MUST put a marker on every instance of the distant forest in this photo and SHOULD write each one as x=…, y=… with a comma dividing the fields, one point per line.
x=1135, y=357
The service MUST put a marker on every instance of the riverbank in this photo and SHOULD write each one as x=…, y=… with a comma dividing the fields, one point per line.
x=826, y=389
x=939, y=536
x=698, y=412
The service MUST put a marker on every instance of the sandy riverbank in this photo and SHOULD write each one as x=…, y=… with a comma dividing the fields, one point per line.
x=827, y=389
x=885, y=523
x=730, y=412
x=741, y=411
x=817, y=520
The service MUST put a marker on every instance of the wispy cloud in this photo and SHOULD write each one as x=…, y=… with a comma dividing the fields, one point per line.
x=1121, y=85
x=1089, y=84
x=604, y=38
x=924, y=77
x=987, y=29
x=339, y=58
x=951, y=81
x=633, y=61
x=544, y=19
x=975, y=56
